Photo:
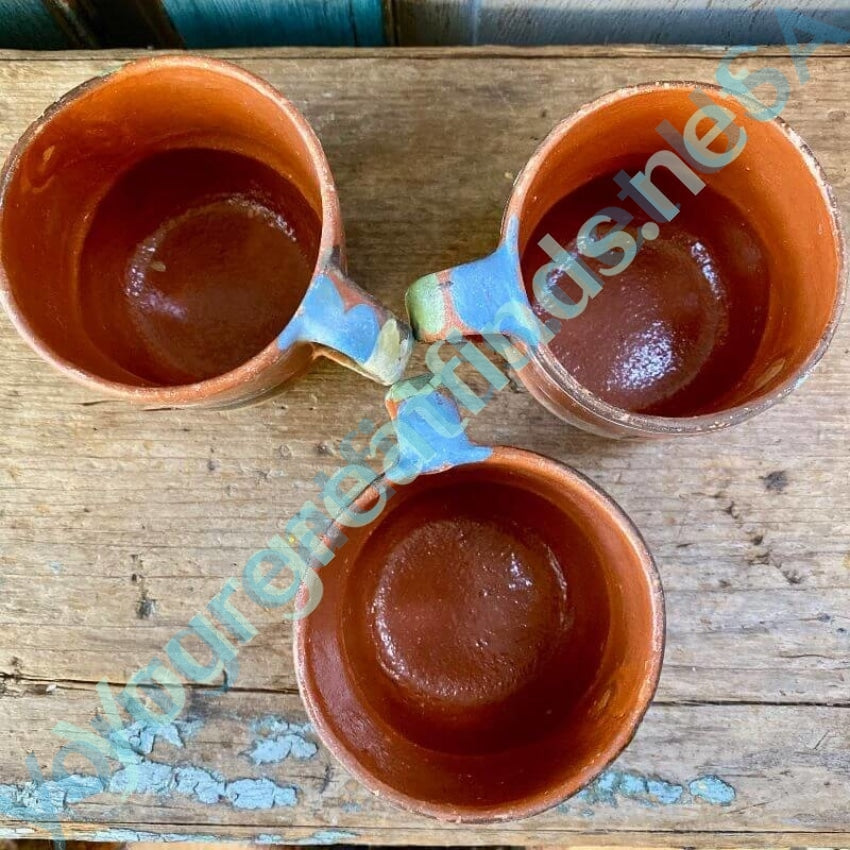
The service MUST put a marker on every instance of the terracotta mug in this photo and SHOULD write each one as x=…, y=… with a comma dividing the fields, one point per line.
x=170, y=234
x=668, y=265
x=490, y=639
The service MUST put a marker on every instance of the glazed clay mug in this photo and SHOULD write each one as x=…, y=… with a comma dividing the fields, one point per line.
x=171, y=234
x=668, y=265
x=490, y=640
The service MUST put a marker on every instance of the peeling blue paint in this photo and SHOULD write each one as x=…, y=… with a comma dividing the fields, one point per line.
x=328, y=836
x=197, y=783
x=139, y=739
x=146, y=777
x=614, y=785
x=120, y=835
x=275, y=740
x=633, y=786
x=713, y=790
x=667, y=793
x=259, y=794
x=321, y=836
x=15, y=831
x=203, y=786
x=142, y=775
x=351, y=808
x=24, y=801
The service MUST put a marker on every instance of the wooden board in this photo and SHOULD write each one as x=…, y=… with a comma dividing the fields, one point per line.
x=118, y=525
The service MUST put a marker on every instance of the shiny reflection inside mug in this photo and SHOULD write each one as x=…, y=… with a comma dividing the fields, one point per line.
x=489, y=641
x=679, y=265
x=171, y=233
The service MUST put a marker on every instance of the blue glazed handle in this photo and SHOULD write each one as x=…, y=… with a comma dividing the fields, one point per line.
x=351, y=327
x=431, y=432
x=478, y=299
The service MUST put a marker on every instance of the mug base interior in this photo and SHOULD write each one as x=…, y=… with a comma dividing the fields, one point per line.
x=710, y=312
x=160, y=227
x=195, y=260
x=673, y=333
x=478, y=617
x=484, y=647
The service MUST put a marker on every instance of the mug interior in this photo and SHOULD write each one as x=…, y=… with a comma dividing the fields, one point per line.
x=488, y=644
x=160, y=226
x=723, y=304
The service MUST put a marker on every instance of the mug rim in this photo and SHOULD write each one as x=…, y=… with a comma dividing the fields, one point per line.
x=539, y=465
x=331, y=238
x=642, y=424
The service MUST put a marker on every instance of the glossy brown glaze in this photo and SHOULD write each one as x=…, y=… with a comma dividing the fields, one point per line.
x=71, y=238
x=724, y=309
x=678, y=328
x=159, y=228
x=194, y=261
x=488, y=644
x=771, y=226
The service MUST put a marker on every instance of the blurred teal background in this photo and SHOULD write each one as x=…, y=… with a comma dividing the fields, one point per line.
x=57, y=24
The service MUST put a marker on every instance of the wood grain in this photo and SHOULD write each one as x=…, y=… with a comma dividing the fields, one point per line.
x=118, y=525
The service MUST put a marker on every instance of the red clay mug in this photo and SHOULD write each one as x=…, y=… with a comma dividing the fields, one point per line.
x=171, y=234
x=490, y=630
x=668, y=265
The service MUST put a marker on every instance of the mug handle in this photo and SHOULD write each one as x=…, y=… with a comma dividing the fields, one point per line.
x=350, y=327
x=429, y=428
x=430, y=436
x=484, y=298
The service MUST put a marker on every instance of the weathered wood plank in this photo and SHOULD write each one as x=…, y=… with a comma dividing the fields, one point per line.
x=759, y=771
x=756, y=565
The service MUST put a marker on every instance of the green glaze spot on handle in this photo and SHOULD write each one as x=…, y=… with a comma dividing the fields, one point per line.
x=476, y=299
